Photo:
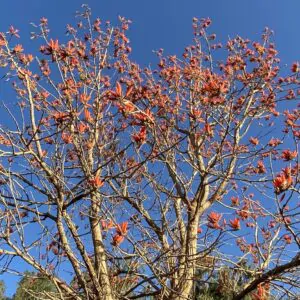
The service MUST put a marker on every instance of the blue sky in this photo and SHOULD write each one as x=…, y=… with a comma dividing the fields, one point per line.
x=167, y=23
x=164, y=24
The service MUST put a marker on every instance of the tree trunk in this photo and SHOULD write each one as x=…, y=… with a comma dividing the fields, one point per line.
x=99, y=250
x=183, y=290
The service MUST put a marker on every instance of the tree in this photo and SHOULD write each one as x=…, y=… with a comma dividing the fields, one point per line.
x=34, y=286
x=2, y=290
x=225, y=283
x=130, y=177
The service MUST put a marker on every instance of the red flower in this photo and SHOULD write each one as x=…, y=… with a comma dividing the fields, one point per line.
x=272, y=224
x=121, y=231
x=96, y=182
x=107, y=225
x=117, y=240
x=2, y=40
x=84, y=98
x=67, y=138
x=288, y=155
x=235, y=201
x=214, y=219
x=244, y=212
x=118, y=91
x=18, y=48
x=295, y=67
x=235, y=224
x=82, y=128
x=254, y=141
x=261, y=169
x=287, y=238
x=262, y=291
x=140, y=137
x=208, y=130
x=53, y=46
x=129, y=91
x=212, y=37
x=122, y=228
x=274, y=142
x=282, y=182
x=128, y=106
x=60, y=117
x=87, y=115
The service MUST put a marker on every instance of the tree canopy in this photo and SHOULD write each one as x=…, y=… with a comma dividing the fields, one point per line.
x=125, y=182
x=34, y=286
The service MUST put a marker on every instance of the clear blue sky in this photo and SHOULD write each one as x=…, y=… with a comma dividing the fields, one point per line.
x=167, y=23
x=164, y=24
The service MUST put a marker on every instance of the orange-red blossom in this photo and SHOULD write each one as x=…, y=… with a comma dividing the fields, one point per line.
x=282, y=182
x=121, y=231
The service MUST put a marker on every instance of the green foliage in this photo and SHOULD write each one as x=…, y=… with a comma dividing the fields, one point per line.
x=221, y=285
x=2, y=290
x=32, y=286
